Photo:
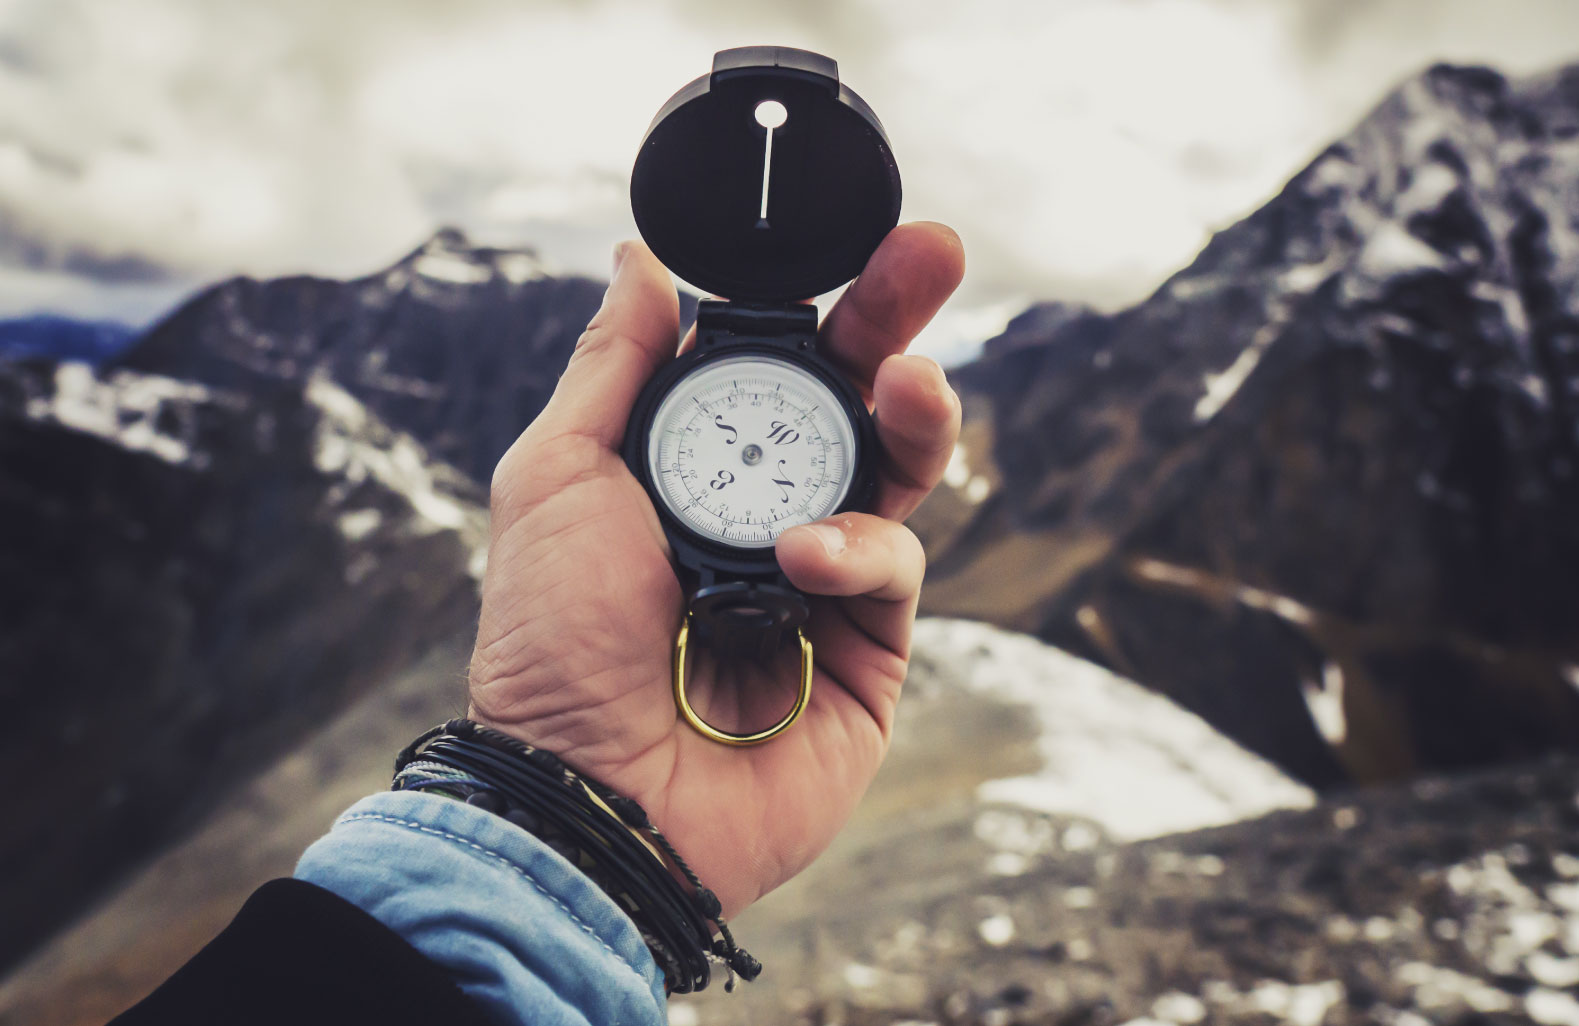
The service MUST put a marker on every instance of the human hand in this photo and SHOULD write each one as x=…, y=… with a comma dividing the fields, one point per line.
x=581, y=604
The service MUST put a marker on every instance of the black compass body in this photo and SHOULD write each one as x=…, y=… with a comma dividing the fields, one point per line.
x=767, y=182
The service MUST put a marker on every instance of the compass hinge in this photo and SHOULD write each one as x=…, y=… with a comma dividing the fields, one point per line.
x=716, y=318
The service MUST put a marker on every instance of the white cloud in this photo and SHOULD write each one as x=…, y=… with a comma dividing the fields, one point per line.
x=1083, y=148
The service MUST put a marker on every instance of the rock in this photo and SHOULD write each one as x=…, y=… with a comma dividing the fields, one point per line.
x=1453, y=900
x=1321, y=487
x=195, y=577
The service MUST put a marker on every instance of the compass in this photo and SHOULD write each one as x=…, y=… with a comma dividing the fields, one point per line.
x=767, y=181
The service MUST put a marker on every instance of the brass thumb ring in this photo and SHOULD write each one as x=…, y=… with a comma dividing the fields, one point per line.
x=724, y=737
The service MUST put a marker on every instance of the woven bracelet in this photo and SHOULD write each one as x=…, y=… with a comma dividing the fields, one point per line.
x=602, y=833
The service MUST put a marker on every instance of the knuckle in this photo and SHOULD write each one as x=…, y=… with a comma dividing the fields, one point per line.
x=600, y=337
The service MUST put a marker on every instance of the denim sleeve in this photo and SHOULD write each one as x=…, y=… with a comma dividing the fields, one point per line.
x=518, y=928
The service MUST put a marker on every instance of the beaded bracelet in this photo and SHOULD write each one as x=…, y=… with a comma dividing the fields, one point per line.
x=604, y=834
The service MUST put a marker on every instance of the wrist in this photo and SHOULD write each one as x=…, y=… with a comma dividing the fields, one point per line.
x=604, y=835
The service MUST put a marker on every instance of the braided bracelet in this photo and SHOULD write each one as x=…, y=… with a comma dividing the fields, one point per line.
x=604, y=834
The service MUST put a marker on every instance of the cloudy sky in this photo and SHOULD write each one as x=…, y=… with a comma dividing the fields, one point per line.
x=1084, y=149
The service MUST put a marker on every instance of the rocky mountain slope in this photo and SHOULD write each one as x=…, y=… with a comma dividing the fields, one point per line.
x=192, y=577
x=950, y=900
x=1452, y=901
x=456, y=345
x=1321, y=487
x=985, y=714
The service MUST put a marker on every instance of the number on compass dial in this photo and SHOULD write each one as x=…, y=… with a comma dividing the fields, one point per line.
x=745, y=447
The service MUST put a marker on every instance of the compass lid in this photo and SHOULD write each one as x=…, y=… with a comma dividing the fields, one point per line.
x=709, y=164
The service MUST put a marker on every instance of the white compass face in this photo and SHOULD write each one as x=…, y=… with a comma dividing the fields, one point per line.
x=744, y=447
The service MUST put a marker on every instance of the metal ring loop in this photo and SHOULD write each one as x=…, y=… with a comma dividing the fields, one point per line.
x=724, y=737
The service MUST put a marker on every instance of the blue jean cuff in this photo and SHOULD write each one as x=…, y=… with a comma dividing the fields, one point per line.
x=517, y=926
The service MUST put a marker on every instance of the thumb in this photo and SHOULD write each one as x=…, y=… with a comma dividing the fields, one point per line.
x=634, y=333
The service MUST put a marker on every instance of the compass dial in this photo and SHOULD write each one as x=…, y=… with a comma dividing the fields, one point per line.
x=747, y=446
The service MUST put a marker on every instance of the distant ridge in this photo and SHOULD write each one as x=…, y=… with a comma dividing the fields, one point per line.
x=1322, y=487
x=52, y=337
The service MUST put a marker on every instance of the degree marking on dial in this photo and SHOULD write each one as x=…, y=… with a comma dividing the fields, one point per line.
x=816, y=470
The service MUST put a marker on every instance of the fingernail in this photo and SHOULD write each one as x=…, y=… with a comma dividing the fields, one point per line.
x=620, y=249
x=832, y=538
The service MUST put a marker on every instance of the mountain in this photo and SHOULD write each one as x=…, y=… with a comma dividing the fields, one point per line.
x=265, y=505
x=456, y=345
x=60, y=338
x=194, y=576
x=1320, y=488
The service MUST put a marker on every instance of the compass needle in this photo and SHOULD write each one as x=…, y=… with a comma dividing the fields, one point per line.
x=770, y=115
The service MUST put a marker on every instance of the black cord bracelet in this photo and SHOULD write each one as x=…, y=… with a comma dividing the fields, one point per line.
x=604, y=834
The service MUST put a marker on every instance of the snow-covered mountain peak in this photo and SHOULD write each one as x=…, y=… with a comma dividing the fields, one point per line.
x=449, y=259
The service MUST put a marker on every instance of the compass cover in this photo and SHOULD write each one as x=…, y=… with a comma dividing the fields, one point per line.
x=832, y=189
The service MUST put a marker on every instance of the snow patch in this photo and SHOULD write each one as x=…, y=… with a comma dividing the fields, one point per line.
x=1007, y=863
x=342, y=447
x=1220, y=387
x=477, y=566
x=1079, y=897
x=1079, y=837
x=127, y=408
x=1305, y=1004
x=1009, y=831
x=1391, y=250
x=996, y=930
x=958, y=476
x=452, y=267
x=1178, y=1007
x=1200, y=582
x=1305, y=278
x=1533, y=386
x=1325, y=702
x=1508, y=300
x=1552, y=971
x=1115, y=754
x=360, y=523
x=1551, y=1007
x=1436, y=987
x=1509, y=923
x=1282, y=606
x=520, y=268
x=1432, y=183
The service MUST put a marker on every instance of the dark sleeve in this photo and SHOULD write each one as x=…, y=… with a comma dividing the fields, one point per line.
x=298, y=954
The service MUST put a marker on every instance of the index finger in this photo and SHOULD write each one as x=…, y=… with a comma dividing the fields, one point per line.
x=907, y=280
